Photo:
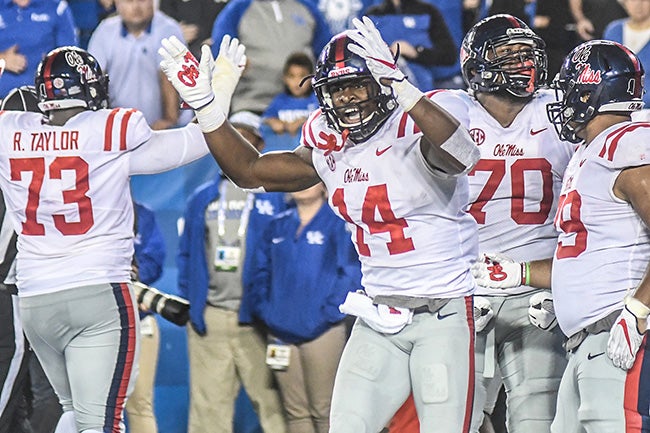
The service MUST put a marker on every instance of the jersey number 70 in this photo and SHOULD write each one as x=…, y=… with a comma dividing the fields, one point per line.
x=36, y=166
x=497, y=169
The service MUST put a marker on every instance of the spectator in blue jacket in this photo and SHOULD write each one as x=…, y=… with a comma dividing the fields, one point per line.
x=302, y=271
x=29, y=29
x=271, y=31
x=226, y=351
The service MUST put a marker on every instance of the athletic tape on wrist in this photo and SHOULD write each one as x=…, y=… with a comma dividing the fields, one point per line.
x=525, y=274
x=407, y=94
x=210, y=117
x=636, y=307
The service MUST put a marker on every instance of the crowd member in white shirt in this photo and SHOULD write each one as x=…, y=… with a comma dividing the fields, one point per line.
x=394, y=164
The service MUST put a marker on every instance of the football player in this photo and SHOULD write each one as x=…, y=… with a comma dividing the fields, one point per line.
x=65, y=177
x=394, y=164
x=601, y=288
x=599, y=279
x=514, y=190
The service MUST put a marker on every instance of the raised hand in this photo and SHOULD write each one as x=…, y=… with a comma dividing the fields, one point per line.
x=189, y=77
x=228, y=67
x=374, y=50
x=381, y=63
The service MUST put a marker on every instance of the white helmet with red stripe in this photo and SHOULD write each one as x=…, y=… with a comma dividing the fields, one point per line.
x=70, y=77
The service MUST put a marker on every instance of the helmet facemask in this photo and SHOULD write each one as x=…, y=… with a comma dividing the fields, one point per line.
x=488, y=65
x=517, y=72
x=360, y=118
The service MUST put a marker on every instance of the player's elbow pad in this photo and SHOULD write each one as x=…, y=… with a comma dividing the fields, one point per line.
x=461, y=146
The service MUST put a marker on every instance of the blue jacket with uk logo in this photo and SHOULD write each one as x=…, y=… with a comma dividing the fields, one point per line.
x=297, y=282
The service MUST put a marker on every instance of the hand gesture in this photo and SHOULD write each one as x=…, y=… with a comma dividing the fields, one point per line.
x=228, y=67
x=625, y=337
x=497, y=271
x=373, y=49
x=189, y=77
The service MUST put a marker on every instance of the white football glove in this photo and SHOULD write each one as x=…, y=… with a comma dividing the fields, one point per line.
x=192, y=80
x=483, y=313
x=541, y=311
x=625, y=338
x=228, y=67
x=497, y=271
x=381, y=62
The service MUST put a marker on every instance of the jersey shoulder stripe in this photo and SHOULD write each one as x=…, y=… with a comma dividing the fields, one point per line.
x=121, y=117
x=308, y=139
x=627, y=146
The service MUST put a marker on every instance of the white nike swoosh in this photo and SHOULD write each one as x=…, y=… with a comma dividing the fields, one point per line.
x=277, y=240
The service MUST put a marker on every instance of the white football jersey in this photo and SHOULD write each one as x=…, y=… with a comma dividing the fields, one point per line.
x=407, y=223
x=604, y=246
x=515, y=186
x=68, y=196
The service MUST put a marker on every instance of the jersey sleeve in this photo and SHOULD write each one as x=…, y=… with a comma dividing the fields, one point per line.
x=628, y=146
x=125, y=129
x=309, y=130
x=168, y=149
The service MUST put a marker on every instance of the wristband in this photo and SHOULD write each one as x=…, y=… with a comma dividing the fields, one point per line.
x=636, y=307
x=407, y=94
x=210, y=116
x=525, y=274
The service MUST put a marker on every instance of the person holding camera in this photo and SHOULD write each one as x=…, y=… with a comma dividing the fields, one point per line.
x=226, y=351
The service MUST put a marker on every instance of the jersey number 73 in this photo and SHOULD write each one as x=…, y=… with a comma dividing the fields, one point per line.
x=77, y=195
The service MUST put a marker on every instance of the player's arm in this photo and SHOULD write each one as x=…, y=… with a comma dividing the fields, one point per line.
x=633, y=186
x=168, y=149
x=247, y=168
x=207, y=87
x=625, y=337
x=446, y=145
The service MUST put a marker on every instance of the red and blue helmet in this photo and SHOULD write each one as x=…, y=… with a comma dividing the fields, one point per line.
x=598, y=76
x=70, y=77
x=518, y=73
x=338, y=67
